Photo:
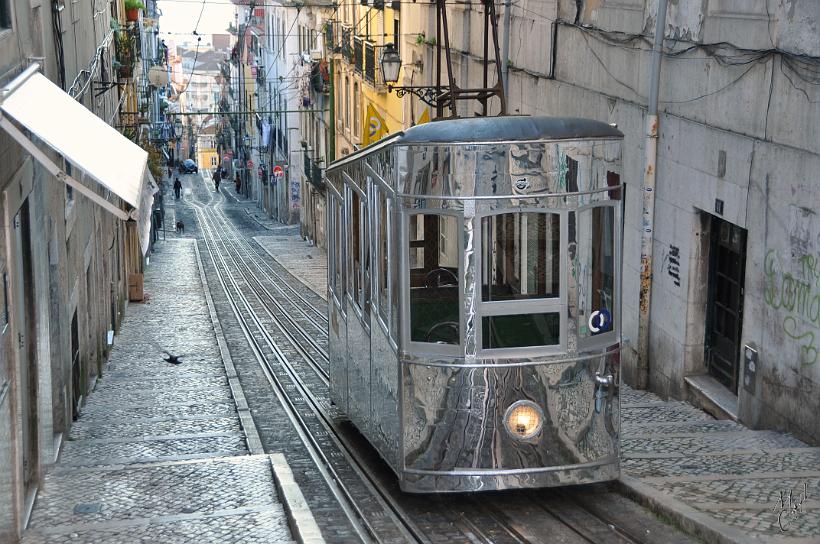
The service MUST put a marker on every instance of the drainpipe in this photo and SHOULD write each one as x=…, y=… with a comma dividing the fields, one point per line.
x=648, y=220
x=331, y=153
x=505, y=49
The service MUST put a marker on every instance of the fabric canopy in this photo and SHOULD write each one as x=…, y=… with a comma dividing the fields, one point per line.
x=149, y=189
x=85, y=140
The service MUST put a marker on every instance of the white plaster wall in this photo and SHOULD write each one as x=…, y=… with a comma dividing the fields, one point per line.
x=783, y=290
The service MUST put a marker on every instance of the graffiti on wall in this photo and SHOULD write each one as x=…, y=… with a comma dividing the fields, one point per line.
x=799, y=298
x=672, y=264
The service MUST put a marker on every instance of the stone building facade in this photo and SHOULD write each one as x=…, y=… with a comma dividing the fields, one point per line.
x=65, y=260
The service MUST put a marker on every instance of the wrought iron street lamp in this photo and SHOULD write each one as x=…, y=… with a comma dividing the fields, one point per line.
x=391, y=65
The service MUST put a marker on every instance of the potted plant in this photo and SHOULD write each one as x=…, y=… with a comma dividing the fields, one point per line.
x=132, y=9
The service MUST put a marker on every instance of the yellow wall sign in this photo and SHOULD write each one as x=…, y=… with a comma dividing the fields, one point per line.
x=376, y=128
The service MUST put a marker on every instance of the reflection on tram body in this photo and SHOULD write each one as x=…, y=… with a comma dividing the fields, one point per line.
x=479, y=350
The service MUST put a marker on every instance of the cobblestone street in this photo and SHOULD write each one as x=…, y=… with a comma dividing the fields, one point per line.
x=159, y=453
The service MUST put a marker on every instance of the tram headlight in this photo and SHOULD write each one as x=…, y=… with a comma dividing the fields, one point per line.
x=524, y=419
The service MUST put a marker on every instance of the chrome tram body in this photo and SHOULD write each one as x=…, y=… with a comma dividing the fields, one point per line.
x=474, y=301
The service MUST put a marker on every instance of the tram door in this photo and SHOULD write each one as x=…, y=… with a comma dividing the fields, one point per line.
x=358, y=305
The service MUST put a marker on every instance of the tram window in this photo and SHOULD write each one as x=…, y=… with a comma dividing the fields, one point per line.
x=366, y=277
x=354, y=245
x=338, y=251
x=395, y=229
x=416, y=241
x=518, y=331
x=434, y=279
x=382, y=226
x=596, y=269
x=520, y=256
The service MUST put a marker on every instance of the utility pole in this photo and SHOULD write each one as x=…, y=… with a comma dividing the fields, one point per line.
x=505, y=48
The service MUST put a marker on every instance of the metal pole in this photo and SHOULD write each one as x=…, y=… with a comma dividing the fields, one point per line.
x=505, y=48
x=649, y=181
x=331, y=153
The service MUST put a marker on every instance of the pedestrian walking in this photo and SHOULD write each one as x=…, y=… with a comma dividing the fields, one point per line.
x=238, y=183
x=177, y=188
x=217, y=179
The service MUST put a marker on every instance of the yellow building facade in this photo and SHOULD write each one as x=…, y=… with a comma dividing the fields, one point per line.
x=365, y=110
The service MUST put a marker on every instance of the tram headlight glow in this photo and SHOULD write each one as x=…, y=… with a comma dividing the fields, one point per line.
x=523, y=419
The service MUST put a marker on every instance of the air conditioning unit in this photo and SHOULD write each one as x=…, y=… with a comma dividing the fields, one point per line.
x=316, y=54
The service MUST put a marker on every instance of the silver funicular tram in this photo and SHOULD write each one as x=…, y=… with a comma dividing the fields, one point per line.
x=474, y=301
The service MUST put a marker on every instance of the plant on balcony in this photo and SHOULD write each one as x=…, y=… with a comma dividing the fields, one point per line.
x=125, y=55
x=132, y=9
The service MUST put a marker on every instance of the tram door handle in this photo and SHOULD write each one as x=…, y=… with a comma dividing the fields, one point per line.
x=604, y=381
x=602, y=386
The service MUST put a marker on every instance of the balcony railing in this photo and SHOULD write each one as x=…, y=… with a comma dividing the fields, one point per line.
x=346, y=46
x=313, y=171
x=320, y=77
x=357, y=54
x=370, y=62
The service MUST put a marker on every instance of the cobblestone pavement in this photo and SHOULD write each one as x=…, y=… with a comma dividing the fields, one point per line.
x=717, y=478
x=293, y=253
x=159, y=453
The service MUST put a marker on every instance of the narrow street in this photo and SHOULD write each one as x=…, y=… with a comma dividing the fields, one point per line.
x=472, y=271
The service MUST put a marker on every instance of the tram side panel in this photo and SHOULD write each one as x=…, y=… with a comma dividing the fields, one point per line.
x=337, y=324
x=384, y=430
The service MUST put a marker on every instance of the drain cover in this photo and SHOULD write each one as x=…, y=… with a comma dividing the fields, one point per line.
x=88, y=508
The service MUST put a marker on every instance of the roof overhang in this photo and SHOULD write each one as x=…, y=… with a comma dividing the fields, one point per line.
x=87, y=142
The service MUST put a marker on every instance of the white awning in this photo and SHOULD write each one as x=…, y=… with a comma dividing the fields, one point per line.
x=85, y=140
x=149, y=189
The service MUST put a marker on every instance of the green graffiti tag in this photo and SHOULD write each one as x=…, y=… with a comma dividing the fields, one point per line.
x=808, y=351
x=800, y=297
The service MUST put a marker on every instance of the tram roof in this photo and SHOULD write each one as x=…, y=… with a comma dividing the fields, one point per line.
x=474, y=130
x=507, y=129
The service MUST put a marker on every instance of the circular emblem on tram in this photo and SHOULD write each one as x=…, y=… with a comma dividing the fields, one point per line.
x=522, y=184
x=600, y=321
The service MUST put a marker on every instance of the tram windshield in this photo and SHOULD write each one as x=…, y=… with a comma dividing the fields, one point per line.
x=434, y=279
x=520, y=256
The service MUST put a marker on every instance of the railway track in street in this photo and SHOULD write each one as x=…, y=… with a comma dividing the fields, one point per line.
x=287, y=335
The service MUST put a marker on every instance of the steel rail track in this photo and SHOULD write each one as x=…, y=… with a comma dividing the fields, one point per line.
x=262, y=294
x=341, y=490
x=262, y=257
x=251, y=252
x=616, y=530
x=241, y=247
